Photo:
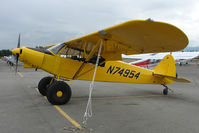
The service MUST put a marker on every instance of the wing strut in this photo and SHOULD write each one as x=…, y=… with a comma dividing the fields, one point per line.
x=98, y=45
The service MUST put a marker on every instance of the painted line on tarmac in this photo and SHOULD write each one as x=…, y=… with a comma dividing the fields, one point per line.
x=20, y=74
x=68, y=117
x=12, y=68
x=114, y=97
x=76, y=124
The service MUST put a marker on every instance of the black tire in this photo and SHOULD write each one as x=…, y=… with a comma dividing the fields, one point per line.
x=165, y=91
x=43, y=85
x=59, y=87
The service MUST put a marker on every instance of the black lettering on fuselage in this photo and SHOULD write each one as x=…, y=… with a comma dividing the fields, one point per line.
x=110, y=70
x=123, y=72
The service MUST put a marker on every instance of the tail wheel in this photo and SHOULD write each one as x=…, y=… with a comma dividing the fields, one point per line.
x=59, y=93
x=43, y=85
x=165, y=91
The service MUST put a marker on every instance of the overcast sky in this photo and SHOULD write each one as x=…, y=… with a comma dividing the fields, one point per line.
x=43, y=22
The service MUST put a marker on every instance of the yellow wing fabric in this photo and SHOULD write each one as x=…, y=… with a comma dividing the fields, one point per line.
x=133, y=37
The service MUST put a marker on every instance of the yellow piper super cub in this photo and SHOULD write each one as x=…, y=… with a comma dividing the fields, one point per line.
x=76, y=59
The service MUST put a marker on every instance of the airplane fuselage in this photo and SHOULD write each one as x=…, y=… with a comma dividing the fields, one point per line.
x=112, y=71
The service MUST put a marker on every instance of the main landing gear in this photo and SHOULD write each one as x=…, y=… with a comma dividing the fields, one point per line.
x=57, y=92
x=43, y=85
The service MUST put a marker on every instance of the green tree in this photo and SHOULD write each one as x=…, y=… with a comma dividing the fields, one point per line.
x=5, y=52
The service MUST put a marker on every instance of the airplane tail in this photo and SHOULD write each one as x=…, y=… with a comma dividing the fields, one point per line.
x=167, y=69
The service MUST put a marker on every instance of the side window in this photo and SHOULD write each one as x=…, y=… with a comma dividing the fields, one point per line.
x=73, y=54
x=79, y=55
x=94, y=59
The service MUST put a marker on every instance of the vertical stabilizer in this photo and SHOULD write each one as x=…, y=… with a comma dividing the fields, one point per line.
x=166, y=66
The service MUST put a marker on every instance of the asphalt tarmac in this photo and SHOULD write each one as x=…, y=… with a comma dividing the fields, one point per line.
x=117, y=107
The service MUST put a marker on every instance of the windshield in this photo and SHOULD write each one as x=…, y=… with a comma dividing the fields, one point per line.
x=55, y=49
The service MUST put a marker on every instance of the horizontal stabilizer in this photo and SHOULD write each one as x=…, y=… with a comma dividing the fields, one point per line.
x=183, y=80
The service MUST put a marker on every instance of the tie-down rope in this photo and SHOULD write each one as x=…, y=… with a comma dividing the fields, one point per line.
x=88, y=113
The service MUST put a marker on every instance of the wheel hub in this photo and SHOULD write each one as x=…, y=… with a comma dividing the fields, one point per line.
x=59, y=93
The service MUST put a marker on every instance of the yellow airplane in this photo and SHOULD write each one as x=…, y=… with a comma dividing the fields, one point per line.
x=76, y=59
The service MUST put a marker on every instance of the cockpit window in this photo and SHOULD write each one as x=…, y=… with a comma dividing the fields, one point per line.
x=73, y=53
x=55, y=49
x=80, y=55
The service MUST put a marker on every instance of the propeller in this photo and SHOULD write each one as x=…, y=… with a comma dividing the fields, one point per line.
x=17, y=54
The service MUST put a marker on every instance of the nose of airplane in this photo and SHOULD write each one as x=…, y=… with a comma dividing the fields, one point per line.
x=16, y=51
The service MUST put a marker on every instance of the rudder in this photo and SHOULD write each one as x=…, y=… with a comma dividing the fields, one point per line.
x=167, y=69
x=166, y=66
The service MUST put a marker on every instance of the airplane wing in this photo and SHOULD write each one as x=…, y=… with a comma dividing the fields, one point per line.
x=133, y=37
x=185, y=55
x=178, y=56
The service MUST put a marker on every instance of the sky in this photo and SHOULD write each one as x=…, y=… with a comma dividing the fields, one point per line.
x=43, y=22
